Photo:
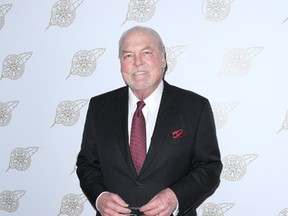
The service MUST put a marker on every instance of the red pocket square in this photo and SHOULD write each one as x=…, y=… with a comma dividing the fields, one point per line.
x=177, y=134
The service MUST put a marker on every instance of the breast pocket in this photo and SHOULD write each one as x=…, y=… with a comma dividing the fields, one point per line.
x=185, y=140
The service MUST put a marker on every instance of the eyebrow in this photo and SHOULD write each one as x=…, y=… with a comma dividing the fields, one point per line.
x=148, y=47
x=145, y=48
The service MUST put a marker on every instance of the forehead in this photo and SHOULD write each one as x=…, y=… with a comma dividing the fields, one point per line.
x=140, y=38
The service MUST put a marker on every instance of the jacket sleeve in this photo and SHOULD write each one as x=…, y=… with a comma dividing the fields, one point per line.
x=204, y=174
x=88, y=167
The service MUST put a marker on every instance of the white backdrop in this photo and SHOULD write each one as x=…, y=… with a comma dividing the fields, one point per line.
x=56, y=55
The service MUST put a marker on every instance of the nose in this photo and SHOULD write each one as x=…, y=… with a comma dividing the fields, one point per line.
x=138, y=60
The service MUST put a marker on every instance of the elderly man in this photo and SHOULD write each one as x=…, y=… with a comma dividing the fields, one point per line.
x=161, y=160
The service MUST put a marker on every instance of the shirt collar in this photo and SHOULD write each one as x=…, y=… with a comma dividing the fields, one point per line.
x=152, y=102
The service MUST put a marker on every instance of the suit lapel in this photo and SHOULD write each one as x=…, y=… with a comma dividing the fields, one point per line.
x=120, y=124
x=164, y=120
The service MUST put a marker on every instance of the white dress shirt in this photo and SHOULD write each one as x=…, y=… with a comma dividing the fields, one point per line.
x=150, y=111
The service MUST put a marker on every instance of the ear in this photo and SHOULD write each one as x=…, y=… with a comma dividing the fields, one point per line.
x=164, y=63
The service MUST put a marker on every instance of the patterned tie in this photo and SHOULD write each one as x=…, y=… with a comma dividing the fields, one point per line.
x=138, y=137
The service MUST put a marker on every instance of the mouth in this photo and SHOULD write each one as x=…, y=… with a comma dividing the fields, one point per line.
x=140, y=72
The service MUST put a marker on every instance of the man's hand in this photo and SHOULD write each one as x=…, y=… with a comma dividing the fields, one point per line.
x=111, y=204
x=162, y=204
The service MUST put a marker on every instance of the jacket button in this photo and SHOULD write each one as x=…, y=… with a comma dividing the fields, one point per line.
x=138, y=183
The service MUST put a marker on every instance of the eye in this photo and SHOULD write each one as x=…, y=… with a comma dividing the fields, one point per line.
x=147, y=52
x=127, y=56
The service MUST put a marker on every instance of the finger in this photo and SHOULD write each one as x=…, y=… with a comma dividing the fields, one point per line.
x=163, y=203
x=151, y=207
x=112, y=204
x=118, y=209
x=117, y=199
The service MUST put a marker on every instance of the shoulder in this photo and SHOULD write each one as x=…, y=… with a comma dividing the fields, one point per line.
x=109, y=100
x=110, y=95
x=181, y=94
x=187, y=101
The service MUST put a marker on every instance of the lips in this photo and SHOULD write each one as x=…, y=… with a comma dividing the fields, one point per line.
x=140, y=72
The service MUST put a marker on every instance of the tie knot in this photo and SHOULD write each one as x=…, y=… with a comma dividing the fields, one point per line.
x=140, y=104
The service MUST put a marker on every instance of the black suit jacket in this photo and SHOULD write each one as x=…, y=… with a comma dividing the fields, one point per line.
x=190, y=165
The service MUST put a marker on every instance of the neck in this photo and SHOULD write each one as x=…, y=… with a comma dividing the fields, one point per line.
x=142, y=94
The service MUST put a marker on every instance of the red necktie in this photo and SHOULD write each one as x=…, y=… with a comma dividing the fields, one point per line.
x=138, y=137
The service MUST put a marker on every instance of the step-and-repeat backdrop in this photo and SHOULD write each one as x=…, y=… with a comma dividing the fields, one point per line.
x=56, y=55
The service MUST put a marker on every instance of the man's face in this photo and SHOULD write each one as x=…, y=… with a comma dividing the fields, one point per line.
x=142, y=63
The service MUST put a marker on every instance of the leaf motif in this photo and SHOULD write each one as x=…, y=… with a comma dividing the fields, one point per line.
x=226, y=206
x=25, y=56
x=247, y=159
x=81, y=103
x=11, y=105
x=254, y=51
x=4, y=9
x=32, y=150
x=19, y=193
x=98, y=52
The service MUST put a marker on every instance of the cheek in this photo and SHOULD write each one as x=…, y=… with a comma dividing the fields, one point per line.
x=156, y=62
x=125, y=77
x=125, y=67
x=125, y=71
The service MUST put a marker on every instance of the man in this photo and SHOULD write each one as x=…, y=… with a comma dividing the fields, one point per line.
x=182, y=163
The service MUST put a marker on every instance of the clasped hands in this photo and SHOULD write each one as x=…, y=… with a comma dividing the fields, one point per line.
x=162, y=204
